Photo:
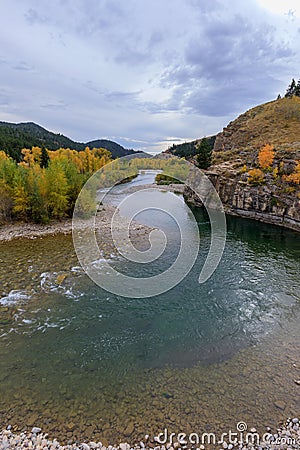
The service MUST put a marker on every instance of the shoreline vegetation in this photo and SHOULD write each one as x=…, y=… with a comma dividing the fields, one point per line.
x=45, y=185
x=31, y=230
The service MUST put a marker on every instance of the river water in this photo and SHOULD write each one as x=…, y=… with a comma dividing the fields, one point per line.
x=83, y=363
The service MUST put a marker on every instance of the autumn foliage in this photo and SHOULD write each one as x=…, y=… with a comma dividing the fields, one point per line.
x=256, y=176
x=45, y=184
x=295, y=176
x=266, y=156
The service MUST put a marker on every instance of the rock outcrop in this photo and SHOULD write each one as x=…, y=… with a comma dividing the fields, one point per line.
x=266, y=203
x=274, y=199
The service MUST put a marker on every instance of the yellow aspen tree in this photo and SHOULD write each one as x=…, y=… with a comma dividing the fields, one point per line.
x=20, y=195
x=266, y=156
x=57, y=190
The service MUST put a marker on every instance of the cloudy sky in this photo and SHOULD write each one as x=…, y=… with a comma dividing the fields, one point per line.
x=145, y=73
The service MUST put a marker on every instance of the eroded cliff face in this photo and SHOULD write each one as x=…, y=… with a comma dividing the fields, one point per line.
x=269, y=202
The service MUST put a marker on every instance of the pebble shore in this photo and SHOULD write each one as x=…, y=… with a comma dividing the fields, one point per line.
x=34, y=231
x=287, y=437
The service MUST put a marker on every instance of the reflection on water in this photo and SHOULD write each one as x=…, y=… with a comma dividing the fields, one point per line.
x=81, y=362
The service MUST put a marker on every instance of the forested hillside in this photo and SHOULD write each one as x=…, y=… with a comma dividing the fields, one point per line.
x=14, y=137
x=189, y=149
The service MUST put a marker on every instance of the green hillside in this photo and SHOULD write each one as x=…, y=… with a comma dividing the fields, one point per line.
x=189, y=149
x=15, y=136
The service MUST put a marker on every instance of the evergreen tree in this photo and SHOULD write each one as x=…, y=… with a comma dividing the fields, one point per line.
x=297, y=89
x=278, y=97
x=291, y=90
x=204, y=155
x=45, y=159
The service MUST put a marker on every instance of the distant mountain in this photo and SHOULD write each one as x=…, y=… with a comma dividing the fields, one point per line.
x=15, y=136
x=116, y=149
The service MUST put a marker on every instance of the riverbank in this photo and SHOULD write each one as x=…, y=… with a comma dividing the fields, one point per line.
x=20, y=230
x=284, y=438
x=138, y=232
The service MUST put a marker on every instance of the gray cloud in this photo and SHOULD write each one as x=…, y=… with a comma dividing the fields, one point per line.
x=132, y=57
x=232, y=63
x=16, y=65
x=22, y=65
x=118, y=96
x=33, y=17
x=55, y=105
x=4, y=100
x=152, y=71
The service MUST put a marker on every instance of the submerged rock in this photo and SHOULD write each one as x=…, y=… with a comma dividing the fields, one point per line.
x=129, y=429
x=6, y=315
x=279, y=404
x=61, y=278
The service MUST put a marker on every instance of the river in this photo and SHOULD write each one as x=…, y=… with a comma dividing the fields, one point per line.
x=83, y=363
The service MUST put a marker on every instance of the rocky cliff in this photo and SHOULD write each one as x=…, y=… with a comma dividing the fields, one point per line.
x=272, y=193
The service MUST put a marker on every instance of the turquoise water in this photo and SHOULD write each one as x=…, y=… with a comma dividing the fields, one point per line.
x=85, y=363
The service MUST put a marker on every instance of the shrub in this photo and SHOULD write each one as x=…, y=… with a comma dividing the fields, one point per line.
x=275, y=173
x=161, y=178
x=256, y=176
x=293, y=177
